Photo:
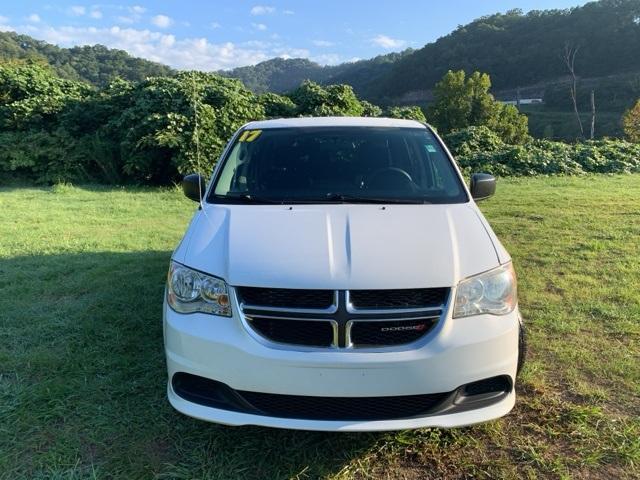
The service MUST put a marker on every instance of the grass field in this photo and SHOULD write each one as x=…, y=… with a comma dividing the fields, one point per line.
x=82, y=374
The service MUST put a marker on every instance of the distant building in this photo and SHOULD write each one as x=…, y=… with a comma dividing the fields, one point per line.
x=523, y=101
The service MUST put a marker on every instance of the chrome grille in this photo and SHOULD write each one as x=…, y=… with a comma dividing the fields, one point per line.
x=331, y=319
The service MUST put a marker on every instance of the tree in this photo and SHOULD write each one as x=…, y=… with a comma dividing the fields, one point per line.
x=569, y=57
x=631, y=123
x=452, y=106
x=462, y=101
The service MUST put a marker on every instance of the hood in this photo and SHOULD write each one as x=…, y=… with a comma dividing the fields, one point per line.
x=339, y=246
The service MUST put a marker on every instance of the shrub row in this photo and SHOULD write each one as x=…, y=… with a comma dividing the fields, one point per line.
x=478, y=149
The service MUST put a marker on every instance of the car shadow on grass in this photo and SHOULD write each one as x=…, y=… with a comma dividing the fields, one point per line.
x=83, y=380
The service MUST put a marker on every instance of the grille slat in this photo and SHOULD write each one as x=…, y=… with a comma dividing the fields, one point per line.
x=286, y=297
x=398, y=299
x=312, y=333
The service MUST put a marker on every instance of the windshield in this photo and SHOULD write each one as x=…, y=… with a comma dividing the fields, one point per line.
x=337, y=165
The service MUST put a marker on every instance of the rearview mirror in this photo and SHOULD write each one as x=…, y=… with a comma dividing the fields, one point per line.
x=193, y=186
x=483, y=186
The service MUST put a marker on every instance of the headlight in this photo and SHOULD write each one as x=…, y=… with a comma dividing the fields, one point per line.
x=191, y=291
x=491, y=292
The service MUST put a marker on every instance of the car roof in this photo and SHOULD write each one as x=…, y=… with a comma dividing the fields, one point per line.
x=334, y=122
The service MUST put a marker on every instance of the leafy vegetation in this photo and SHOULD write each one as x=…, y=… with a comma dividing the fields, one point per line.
x=159, y=129
x=152, y=131
x=479, y=149
x=83, y=377
x=462, y=101
x=412, y=113
x=631, y=123
x=59, y=130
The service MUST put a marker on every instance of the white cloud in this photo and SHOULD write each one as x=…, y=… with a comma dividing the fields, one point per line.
x=3, y=20
x=262, y=10
x=288, y=12
x=77, y=10
x=185, y=53
x=95, y=14
x=34, y=18
x=133, y=14
x=323, y=43
x=259, y=26
x=387, y=42
x=167, y=40
x=214, y=25
x=162, y=21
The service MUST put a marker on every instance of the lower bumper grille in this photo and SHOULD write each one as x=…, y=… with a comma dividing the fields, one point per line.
x=215, y=394
x=344, y=408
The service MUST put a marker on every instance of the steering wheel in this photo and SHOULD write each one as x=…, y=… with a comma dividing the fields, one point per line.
x=389, y=176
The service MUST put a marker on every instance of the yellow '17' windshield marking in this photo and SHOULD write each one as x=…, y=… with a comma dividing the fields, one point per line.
x=249, y=135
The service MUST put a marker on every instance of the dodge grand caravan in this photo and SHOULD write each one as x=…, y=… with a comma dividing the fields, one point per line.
x=338, y=275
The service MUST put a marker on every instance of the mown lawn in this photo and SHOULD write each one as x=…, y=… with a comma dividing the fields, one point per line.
x=82, y=375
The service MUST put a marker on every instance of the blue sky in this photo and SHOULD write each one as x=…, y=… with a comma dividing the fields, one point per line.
x=211, y=35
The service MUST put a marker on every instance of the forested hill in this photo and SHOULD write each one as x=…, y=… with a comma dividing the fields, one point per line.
x=281, y=75
x=95, y=64
x=516, y=49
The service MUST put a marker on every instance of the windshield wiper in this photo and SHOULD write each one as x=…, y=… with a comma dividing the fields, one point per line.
x=359, y=199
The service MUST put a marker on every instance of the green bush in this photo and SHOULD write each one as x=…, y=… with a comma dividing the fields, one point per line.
x=473, y=139
x=277, y=106
x=478, y=149
x=154, y=131
x=409, y=113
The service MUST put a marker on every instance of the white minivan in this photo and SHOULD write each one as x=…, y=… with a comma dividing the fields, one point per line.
x=338, y=275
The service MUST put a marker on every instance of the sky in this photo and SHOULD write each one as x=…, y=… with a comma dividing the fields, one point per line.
x=213, y=35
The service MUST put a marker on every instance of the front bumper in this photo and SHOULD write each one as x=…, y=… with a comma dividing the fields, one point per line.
x=457, y=352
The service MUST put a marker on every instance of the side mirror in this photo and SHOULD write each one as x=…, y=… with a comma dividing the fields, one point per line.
x=483, y=186
x=193, y=186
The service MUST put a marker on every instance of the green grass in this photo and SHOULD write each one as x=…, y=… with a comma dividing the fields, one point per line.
x=82, y=374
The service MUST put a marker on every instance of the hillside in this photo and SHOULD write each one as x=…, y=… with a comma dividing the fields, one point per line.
x=94, y=64
x=281, y=75
x=518, y=50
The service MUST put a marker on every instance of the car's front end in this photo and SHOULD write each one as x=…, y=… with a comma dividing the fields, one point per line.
x=336, y=315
